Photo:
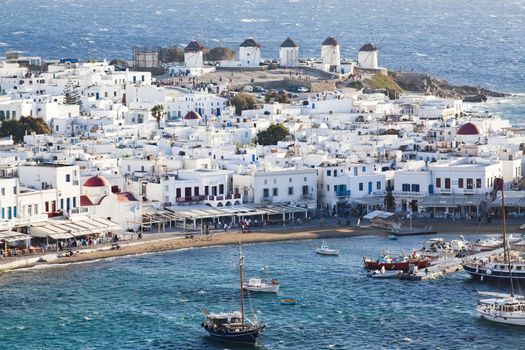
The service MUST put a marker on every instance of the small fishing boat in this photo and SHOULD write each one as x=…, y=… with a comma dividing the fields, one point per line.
x=262, y=285
x=233, y=326
x=383, y=273
x=258, y=285
x=288, y=302
x=392, y=237
x=325, y=250
x=396, y=263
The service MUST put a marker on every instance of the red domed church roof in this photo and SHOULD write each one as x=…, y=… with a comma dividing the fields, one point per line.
x=469, y=129
x=192, y=115
x=97, y=181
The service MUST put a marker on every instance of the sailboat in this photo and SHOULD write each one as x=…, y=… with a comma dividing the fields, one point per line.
x=502, y=307
x=234, y=326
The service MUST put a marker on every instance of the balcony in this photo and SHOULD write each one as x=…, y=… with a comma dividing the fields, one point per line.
x=223, y=200
x=409, y=194
x=189, y=199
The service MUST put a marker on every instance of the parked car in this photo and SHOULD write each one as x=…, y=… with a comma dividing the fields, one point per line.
x=302, y=89
x=248, y=88
x=258, y=89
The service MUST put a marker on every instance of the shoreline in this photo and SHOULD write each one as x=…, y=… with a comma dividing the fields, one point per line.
x=157, y=245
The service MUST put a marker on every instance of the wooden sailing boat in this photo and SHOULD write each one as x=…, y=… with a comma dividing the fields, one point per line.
x=234, y=326
x=501, y=307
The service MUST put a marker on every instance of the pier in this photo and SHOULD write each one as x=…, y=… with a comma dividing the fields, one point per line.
x=445, y=267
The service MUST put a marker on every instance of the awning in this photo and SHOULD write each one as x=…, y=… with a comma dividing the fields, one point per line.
x=57, y=236
x=13, y=236
x=378, y=214
x=369, y=200
x=442, y=201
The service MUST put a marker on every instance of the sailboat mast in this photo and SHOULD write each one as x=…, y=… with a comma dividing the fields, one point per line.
x=241, y=265
x=506, y=252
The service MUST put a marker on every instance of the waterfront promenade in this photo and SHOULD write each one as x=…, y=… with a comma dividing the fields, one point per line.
x=165, y=241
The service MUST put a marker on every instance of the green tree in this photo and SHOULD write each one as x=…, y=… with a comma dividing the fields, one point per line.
x=242, y=101
x=71, y=93
x=219, y=54
x=273, y=134
x=158, y=113
x=174, y=54
x=281, y=97
x=390, y=202
x=18, y=128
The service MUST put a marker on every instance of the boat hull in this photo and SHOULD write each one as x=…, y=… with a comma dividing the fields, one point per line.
x=269, y=289
x=327, y=253
x=483, y=274
x=502, y=318
x=242, y=337
x=404, y=266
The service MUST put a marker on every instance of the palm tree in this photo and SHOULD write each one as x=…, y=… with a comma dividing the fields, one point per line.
x=158, y=113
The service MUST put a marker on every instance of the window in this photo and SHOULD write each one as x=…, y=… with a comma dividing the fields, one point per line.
x=360, y=186
x=478, y=183
x=290, y=191
x=460, y=183
x=305, y=179
x=178, y=193
x=447, y=182
x=415, y=188
x=275, y=191
x=68, y=178
x=438, y=182
x=3, y=191
x=221, y=189
x=363, y=169
x=405, y=187
x=335, y=173
x=327, y=188
x=290, y=180
x=305, y=190
x=74, y=202
x=378, y=185
x=329, y=173
x=470, y=184
x=46, y=205
x=266, y=193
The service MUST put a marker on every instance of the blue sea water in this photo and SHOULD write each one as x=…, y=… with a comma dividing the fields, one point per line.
x=155, y=302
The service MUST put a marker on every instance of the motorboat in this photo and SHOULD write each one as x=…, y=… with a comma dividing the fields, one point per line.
x=288, y=301
x=383, y=273
x=325, y=250
x=234, y=326
x=392, y=237
x=258, y=285
x=262, y=285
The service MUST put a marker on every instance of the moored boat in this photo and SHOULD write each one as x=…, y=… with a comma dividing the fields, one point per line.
x=392, y=237
x=258, y=285
x=395, y=263
x=325, y=250
x=503, y=308
x=262, y=285
x=288, y=301
x=384, y=274
x=234, y=326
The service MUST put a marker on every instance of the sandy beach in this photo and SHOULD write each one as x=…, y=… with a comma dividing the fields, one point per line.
x=165, y=241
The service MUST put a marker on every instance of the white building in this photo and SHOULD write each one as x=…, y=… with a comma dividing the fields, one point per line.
x=330, y=54
x=367, y=57
x=294, y=186
x=250, y=53
x=63, y=178
x=289, y=53
x=464, y=176
x=194, y=55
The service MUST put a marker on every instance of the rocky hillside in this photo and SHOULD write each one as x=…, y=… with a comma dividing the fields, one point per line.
x=425, y=83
